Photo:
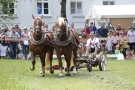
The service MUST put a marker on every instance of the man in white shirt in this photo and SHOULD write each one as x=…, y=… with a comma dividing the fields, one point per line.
x=92, y=45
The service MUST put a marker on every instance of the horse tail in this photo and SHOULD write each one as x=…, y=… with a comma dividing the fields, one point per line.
x=72, y=57
x=47, y=60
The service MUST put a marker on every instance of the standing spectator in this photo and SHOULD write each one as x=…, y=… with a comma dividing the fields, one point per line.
x=86, y=30
x=4, y=43
x=13, y=43
x=46, y=29
x=109, y=26
x=72, y=26
x=25, y=43
x=115, y=42
x=109, y=43
x=92, y=27
x=0, y=30
x=100, y=30
x=18, y=29
x=122, y=33
x=118, y=29
x=131, y=33
x=134, y=25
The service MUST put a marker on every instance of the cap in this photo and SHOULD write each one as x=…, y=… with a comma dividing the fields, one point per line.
x=25, y=28
x=91, y=22
x=92, y=34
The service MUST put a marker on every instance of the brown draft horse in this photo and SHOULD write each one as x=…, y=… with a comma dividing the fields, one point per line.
x=66, y=42
x=40, y=44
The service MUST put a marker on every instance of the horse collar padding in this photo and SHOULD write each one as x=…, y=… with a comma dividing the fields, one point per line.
x=32, y=40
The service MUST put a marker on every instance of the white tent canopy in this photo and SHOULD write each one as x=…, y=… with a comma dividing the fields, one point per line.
x=113, y=11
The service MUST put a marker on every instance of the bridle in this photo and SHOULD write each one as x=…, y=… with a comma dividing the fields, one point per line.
x=67, y=32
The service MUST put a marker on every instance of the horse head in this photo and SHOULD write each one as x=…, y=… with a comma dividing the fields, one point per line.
x=60, y=27
x=37, y=24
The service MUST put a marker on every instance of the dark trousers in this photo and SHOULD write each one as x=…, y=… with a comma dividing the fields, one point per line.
x=132, y=46
x=25, y=49
x=13, y=50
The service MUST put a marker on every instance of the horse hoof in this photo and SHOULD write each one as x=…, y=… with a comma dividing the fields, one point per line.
x=43, y=75
x=67, y=74
x=32, y=68
x=74, y=71
x=52, y=71
x=61, y=75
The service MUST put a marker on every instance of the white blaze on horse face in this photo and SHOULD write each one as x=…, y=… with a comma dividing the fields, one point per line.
x=61, y=21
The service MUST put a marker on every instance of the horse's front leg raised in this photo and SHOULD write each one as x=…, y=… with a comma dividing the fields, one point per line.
x=67, y=58
x=33, y=61
x=42, y=59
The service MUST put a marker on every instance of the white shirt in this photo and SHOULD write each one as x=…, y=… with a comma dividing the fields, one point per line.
x=109, y=42
x=115, y=41
x=131, y=34
x=94, y=40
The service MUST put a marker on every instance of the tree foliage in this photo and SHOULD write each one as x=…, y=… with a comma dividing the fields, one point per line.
x=6, y=8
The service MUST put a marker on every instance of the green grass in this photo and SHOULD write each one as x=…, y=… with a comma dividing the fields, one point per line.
x=16, y=75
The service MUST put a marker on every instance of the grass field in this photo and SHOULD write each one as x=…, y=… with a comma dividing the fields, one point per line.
x=16, y=75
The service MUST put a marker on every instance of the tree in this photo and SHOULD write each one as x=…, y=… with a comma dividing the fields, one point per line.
x=6, y=7
x=63, y=8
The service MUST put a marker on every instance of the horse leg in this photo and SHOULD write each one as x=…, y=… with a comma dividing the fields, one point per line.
x=74, y=60
x=60, y=64
x=67, y=58
x=42, y=59
x=33, y=61
x=51, y=58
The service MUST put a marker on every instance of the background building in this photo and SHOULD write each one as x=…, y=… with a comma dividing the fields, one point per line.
x=78, y=12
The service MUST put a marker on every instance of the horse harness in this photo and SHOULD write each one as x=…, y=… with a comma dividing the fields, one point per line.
x=68, y=40
x=41, y=41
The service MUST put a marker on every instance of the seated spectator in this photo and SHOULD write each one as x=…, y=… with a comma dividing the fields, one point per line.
x=20, y=55
x=92, y=45
x=129, y=53
x=117, y=50
x=124, y=44
x=97, y=35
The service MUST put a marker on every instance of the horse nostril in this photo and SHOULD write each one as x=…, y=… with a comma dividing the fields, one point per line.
x=38, y=32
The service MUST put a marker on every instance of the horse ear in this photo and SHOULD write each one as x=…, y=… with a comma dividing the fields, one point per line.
x=65, y=19
x=41, y=16
x=33, y=17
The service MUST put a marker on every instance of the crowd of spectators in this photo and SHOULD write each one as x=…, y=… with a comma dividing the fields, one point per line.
x=20, y=49
x=15, y=49
x=126, y=46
